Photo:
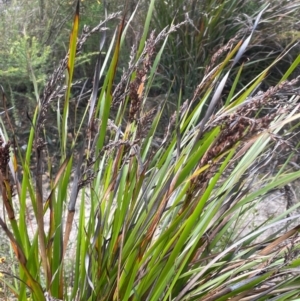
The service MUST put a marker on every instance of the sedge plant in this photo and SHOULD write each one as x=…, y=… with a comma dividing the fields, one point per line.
x=128, y=215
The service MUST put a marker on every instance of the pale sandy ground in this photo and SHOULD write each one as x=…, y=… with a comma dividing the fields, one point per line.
x=272, y=206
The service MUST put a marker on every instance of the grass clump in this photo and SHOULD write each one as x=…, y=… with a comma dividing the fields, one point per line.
x=132, y=215
x=209, y=26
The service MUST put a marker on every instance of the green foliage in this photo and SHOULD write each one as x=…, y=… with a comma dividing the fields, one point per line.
x=38, y=29
x=129, y=214
x=24, y=57
x=209, y=26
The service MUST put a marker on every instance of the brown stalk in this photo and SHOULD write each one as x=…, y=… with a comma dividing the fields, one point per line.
x=72, y=201
x=49, y=200
x=40, y=214
x=170, y=185
x=6, y=197
x=269, y=249
x=6, y=189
